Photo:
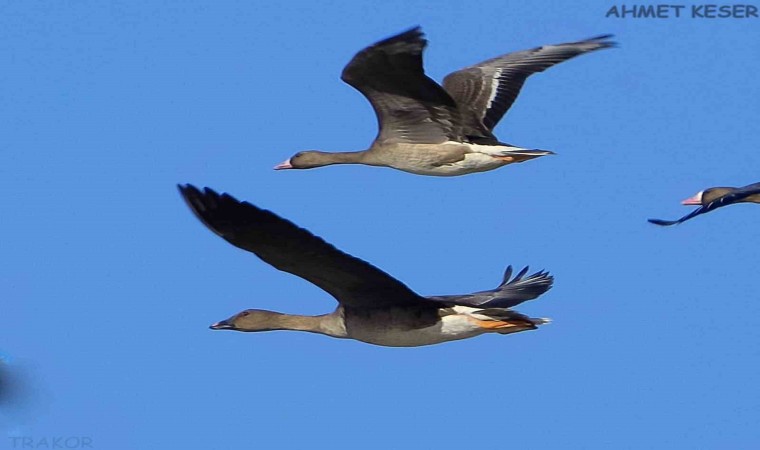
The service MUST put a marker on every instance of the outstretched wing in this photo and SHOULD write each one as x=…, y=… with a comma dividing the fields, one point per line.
x=292, y=249
x=728, y=199
x=751, y=189
x=509, y=293
x=410, y=107
x=487, y=90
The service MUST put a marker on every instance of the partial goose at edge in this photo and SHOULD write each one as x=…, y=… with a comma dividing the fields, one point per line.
x=373, y=306
x=429, y=129
x=714, y=198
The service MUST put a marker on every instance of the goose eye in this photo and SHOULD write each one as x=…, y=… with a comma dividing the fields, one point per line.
x=244, y=313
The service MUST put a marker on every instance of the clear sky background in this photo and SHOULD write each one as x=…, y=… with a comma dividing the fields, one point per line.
x=108, y=283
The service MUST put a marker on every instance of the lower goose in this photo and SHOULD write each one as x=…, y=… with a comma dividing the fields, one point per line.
x=373, y=307
x=714, y=198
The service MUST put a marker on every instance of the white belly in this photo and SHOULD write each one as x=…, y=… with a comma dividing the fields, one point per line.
x=473, y=162
x=480, y=159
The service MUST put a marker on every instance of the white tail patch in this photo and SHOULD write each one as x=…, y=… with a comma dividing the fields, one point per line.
x=506, y=150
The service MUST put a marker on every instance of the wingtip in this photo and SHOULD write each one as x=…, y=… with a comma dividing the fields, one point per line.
x=662, y=223
x=186, y=190
x=415, y=30
x=600, y=42
x=413, y=38
x=603, y=38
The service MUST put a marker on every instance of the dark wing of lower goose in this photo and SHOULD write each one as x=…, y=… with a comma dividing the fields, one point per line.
x=7, y=385
x=509, y=293
x=728, y=199
x=410, y=107
x=292, y=249
x=490, y=88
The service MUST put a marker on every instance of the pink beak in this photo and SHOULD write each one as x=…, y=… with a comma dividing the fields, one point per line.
x=696, y=200
x=284, y=165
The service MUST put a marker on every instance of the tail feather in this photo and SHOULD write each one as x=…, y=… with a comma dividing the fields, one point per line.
x=528, y=152
x=501, y=149
x=541, y=320
x=504, y=314
x=505, y=321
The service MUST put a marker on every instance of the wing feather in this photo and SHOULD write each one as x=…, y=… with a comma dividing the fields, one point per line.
x=508, y=294
x=410, y=107
x=485, y=91
x=295, y=250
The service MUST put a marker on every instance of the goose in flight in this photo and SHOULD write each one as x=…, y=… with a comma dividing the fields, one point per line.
x=429, y=129
x=714, y=198
x=373, y=306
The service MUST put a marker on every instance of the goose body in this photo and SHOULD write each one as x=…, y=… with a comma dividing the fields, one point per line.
x=429, y=129
x=714, y=198
x=373, y=307
x=446, y=159
x=404, y=327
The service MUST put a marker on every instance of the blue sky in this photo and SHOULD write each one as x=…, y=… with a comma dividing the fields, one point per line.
x=108, y=283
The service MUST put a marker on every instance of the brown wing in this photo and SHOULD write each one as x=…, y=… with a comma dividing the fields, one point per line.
x=410, y=107
x=485, y=91
x=292, y=249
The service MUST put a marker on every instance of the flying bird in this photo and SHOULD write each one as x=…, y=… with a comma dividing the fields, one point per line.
x=714, y=198
x=373, y=306
x=429, y=129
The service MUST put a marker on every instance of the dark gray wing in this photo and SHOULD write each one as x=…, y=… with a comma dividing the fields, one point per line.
x=14, y=389
x=728, y=199
x=410, y=107
x=289, y=248
x=508, y=294
x=485, y=91
x=7, y=385
x=751, y=189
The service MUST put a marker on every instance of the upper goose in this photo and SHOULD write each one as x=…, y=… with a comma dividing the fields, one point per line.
x=714, y=198
x=432, y=130
x=373, y=307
